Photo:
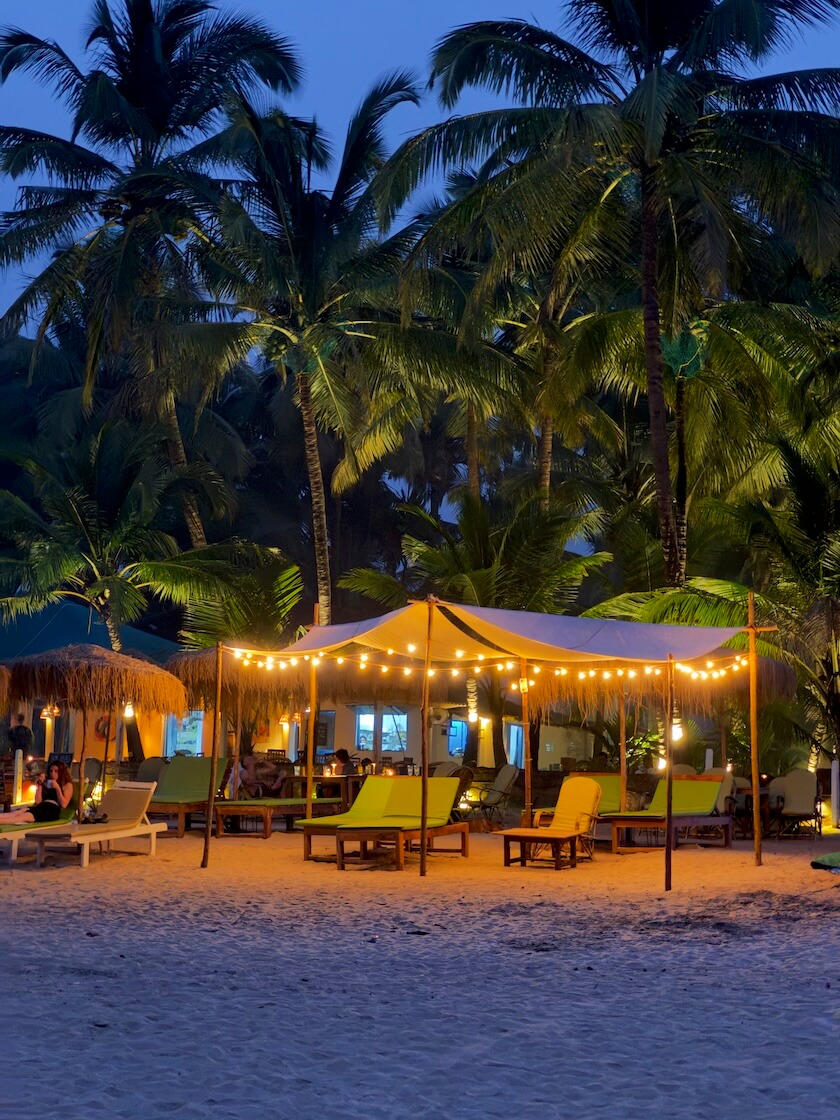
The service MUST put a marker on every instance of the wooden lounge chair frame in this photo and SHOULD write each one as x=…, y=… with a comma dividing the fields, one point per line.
x=82, y=836
x=531, y=840
x=656, y=821
x=402, y=840
x=267, y=808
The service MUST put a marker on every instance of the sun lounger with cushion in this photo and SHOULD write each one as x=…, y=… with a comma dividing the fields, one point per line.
x=183, y=789
x=400, y=823
x=12, y=834
x=693, y=806
x=572, y=821
x=125, y=806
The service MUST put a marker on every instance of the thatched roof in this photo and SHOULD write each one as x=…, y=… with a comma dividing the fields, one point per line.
x=258, y=686
x=90, y=678
x=5, y=678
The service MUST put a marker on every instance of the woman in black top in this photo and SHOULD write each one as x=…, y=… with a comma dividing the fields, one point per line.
x=53, y=793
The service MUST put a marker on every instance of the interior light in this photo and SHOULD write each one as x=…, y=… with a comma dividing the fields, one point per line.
x=411, y=647
x=128, y=711
x=459, y=653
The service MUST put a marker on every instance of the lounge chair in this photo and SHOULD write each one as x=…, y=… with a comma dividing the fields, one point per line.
x=400, y=824
x=125, y=806
x=491, y=801
x=183, y=790
x=571, y=823
x=445, y=769
x=693, y=806
x=369, y=804
x=12, y=834
x=151, y=769
x=7, y=776
x=800, y=806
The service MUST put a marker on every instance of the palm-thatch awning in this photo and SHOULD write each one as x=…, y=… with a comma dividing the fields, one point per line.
x=90, y=678
x=264, y=682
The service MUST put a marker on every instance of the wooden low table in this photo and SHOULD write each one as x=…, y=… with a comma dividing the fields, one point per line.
x=527, y=838
x=401, y=838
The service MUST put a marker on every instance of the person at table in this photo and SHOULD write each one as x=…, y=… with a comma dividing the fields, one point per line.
x=53, y=792
x=343, y=763
x=249, y=781
x=19, y=737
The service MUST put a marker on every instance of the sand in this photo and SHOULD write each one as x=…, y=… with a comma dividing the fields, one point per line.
x=267, y=987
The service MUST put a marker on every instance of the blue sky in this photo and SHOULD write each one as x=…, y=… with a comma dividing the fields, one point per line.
x=345, y=46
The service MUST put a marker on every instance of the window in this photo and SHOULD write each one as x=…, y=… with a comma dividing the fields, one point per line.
x=394, y=729
x=457, y=737
x=515, y=744
x=183, y=736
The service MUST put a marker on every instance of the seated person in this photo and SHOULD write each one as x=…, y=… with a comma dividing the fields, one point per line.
x=257, y=779
x=53, y=792
x=341, y=764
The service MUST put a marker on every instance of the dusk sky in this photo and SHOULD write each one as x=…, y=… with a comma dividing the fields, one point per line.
x=345, y=45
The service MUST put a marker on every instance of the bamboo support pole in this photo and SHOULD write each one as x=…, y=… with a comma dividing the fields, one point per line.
x=214, y=758
x=310, y=725
x=526, y=741
x=622, y=749
x=754, y=759
x=669, y=775
x=424, y=740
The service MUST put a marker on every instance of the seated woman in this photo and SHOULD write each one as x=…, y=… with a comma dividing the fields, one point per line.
x=53, y=792
x=341, y=765
x=256, y=779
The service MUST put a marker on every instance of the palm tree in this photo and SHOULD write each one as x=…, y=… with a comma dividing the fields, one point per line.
x=306, y=262
x=645, y=140
x=521, y=562
x=90, y=524
x=113, y=209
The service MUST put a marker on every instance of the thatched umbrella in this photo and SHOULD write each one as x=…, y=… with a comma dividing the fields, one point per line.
x=89, y=678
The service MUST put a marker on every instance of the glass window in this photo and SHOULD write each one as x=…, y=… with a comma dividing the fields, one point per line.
x=457, y=736
x=394, y=729
x=515, y=744
x=183, y=736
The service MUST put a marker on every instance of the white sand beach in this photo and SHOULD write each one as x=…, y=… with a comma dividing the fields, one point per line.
x=266, y=987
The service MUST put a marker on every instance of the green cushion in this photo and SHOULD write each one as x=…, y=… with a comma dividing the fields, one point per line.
x=690, y=798
x=394, y=803
x=610, y=792
x=183, y=781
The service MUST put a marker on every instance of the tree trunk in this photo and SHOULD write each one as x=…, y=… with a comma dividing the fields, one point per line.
x=319, y=500
x=545, y=449
x=473, y=480
x=104, y=608
x=178, y=458
x=655, y=385
x=681, y=483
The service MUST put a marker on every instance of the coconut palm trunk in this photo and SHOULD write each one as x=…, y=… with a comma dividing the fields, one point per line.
x=655, y=366
x=177, y=455
x=320, y=532
x=544, y=452
x=473, y=479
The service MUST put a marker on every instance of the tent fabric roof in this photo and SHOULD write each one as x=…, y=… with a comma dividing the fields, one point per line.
x=461, y=633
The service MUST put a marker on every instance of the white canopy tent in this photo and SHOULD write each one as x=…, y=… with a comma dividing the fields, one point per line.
x=433, y=635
